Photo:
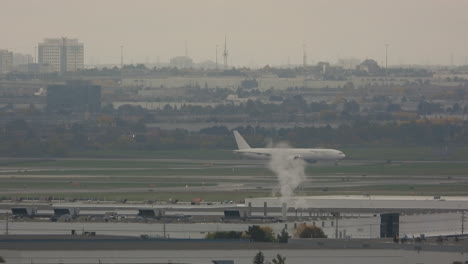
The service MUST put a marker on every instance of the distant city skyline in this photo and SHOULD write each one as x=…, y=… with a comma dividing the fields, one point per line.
x=258, y=32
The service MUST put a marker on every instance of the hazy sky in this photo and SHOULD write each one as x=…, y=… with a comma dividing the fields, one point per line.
x=259, y=32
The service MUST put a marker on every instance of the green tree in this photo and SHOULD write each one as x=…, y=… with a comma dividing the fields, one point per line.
x=259, y=258
x=351, y=107
x=16, y=125
x=428, y=108
x=279, y=259
x=108, y=109
x=283, y=237
x=224, y=235
x=260, y=234
x=140, y=126
x=308, y=231
x=393, y=108
x=58, y=148
x=456, y=108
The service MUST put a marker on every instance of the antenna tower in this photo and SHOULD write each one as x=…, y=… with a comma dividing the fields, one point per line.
x=216, y=57
x=304, y=56
x=121, y=57
x=225, y=53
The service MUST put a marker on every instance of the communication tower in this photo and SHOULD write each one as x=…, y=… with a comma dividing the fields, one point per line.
x=225, y=53
x=304, y=56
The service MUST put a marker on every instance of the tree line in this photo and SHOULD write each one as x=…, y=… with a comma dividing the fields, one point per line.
x=19, y=138
x=257, y=233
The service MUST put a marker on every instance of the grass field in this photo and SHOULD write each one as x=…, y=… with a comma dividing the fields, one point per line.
x=395, y=153
x=149, y=172
x=376, y=153
x=381, y=153
x=427, y=190
x=395, y=189
x=407, y=168
x=198, y=154
x=96, y=185
x=194, y=168
x=92, y=163
x=136, y=168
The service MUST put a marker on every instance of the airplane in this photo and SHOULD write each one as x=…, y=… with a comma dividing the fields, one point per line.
x=40, y=92
x=310, y=155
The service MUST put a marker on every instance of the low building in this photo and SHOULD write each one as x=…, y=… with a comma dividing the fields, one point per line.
x=369, y=66
x=181, y=62
x=74, y=96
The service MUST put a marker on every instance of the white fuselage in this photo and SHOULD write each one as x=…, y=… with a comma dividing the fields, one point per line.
x=309, y=155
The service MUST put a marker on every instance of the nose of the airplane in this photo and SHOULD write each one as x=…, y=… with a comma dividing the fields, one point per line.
x=341, y=154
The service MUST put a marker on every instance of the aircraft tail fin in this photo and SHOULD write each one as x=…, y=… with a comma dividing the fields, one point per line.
x=241, y=143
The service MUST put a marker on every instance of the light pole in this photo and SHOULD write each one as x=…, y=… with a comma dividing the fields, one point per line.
x=386, y=57
x=216, y=57
x=121, y=57
x=6, y=226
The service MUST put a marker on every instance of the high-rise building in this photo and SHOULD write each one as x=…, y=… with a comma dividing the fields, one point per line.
x=61, y=55
x=6, y=61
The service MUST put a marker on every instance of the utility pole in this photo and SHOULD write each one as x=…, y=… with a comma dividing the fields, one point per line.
x=336, y=227
x=216, y=57
x=225, y=53
x=75, y=53
x=6, y=227
x=386, y=56
x=304, y=57
x=121, y=57
x=386, y=59
x=463, y=223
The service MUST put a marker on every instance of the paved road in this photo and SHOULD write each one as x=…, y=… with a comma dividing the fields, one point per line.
x=364, y=226
x=106, y=250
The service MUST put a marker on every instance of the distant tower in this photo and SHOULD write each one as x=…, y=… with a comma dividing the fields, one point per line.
x=304, y=56
x=63, y=55
x=386, y=59
x=121, y=57
x=186, y=49
x=386, y=56
x=225, y=53
x=216, y=57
